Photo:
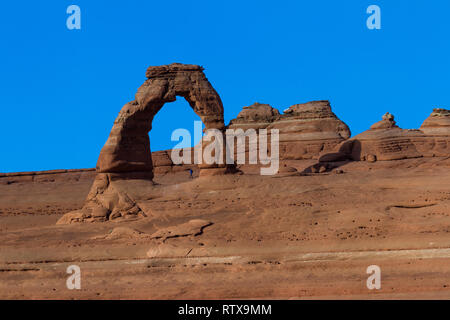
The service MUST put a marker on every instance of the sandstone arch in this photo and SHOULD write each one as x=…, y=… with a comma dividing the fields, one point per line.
x=128, y=147
x=126, y=154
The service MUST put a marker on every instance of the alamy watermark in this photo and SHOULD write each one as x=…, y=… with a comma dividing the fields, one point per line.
x=214, y=148
x=374, y=20
x=374, y=280
x=73, y=21
x=74, y=281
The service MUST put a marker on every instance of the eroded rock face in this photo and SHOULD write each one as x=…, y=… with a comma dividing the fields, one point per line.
x=308, y=129
x=436, y=129
x=384, y=141
x=128, y=147
x=256, y=116
x=126, y=155
x=305, y=129
x=438, y=123
x=387, y=122
x=311, y=130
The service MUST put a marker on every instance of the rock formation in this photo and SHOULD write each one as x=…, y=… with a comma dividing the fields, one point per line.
x=128, y=146
x=125, y=167
x=308, y=129
x=436, y=139
x=305, y=129
x=437, y=124
x=256, y=116
x=383, y=141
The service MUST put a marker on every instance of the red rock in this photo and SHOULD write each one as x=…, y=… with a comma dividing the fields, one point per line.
x=371, y=158
x=161, y=158
x=286, y=169
x=256, y=116
x=436, y=138
x=384, y=141
x=333, y=157
x=128, y=147
x=437, y=124
x=306, y=130
x=126, y=154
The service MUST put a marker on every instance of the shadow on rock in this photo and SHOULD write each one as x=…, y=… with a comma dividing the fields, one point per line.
x=348, y=151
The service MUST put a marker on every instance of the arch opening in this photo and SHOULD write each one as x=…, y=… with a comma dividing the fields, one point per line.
x=174, y=115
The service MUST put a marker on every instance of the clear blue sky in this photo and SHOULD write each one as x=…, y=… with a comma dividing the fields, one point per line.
x=62, y=89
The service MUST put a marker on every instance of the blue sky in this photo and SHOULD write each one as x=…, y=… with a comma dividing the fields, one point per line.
x=62, y=89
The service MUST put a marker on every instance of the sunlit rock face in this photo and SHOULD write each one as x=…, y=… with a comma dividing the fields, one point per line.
x=436, y=129
x=305, y=130
x=383, y=141
x=125, y=166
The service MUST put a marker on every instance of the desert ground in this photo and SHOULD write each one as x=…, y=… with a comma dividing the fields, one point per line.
x=294, y=235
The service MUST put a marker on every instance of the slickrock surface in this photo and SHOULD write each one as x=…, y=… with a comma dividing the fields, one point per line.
x=291, y=235
x=306, y=130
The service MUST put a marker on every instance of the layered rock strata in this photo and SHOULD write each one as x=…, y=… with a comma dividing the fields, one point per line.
x=383, y=141
x=436, y=130
x=305, y=130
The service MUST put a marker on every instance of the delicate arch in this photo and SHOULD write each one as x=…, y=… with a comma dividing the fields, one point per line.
x=126, y=155
x=128, y=146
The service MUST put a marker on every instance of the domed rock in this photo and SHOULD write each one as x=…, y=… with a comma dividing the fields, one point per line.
x=308, y=129
x=383, y=141
x=256, y=116
x=437, y=124
x=436, y=139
